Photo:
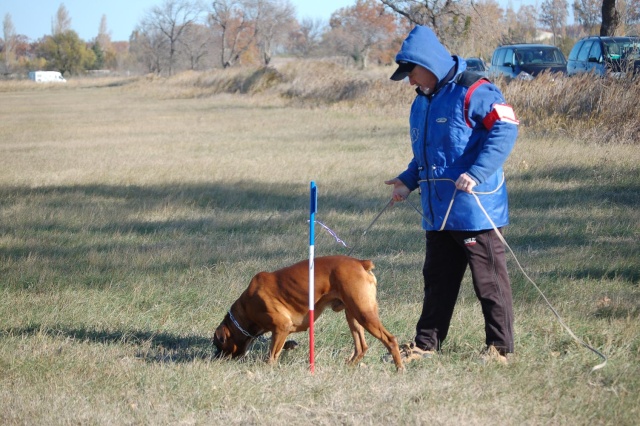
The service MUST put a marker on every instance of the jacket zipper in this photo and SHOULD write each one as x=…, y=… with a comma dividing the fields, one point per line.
x=426, y=161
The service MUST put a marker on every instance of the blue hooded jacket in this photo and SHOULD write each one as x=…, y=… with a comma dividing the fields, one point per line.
x=451, y=136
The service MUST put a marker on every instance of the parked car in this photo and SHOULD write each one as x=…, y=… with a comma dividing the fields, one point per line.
x=525, y=61
x=476, y=65
x=605, y=55
x=46, y=77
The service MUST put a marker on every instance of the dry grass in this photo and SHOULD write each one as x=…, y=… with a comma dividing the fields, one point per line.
x=134, y=212
x=583, y=107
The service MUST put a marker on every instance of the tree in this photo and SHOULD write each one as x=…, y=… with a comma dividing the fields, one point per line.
x=274, y=19
x=484, y=28
x=106, y=56
x=66, y=52
x=104, y=37
x=356, y=30
x=305, y=38
x=231, y=22
x=521, y=25
x=171, y=21
x=443, y=16
x=553, y=14
x=148, y=48
x=98, y=64
x=196, y=45
x=10, y=41
x=630, y=15
x=610, y=18
x=61, y=22
x=588, y=13
x=633, y=11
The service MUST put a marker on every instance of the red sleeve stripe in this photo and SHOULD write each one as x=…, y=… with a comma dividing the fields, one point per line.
x=467, y=98
x=500, y=112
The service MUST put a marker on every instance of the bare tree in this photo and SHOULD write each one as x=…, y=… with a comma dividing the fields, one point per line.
x=196, y=45
x=610, y=18
x=437, y=14
x=304, y=39
x=62, y=21
x=630, y=15
x=356, y=30
x=274, y=19
x=521, y=25
x=10, y=41
x=148, y=47
x=553, y=14
x=588, y=13
x=483, y=32
x=171, y=21
x=234, y=27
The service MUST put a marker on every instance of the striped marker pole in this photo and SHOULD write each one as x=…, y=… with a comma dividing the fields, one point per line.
x=312, y=224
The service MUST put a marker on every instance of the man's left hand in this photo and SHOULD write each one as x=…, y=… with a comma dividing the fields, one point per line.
x=465, y=183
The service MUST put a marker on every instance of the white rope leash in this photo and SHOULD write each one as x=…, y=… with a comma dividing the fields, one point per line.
x=495, y=228
x=332, y=233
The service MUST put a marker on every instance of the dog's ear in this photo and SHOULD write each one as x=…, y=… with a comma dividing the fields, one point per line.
x=220, y=335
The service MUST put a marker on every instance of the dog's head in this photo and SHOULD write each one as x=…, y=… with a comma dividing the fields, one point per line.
x=228, y=343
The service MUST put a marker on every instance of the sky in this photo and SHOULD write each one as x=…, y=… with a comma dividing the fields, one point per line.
x=33, y=18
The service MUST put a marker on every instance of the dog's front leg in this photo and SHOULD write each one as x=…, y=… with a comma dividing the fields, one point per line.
x=278, y=339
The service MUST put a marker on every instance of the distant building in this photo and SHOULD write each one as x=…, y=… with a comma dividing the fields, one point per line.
x=542, y=36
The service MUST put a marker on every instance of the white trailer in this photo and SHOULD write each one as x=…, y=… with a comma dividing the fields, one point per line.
x=46, y=77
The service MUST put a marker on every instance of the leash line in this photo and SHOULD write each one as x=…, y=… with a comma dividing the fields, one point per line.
x=375, y=219
x=555, y=312
x=502, y=239
x=331, y=232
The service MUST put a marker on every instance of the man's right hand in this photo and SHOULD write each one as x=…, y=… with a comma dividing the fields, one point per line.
x=400, y=190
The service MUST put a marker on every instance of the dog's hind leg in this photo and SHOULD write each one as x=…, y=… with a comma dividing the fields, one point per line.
x=371, y=322
x=359, y=344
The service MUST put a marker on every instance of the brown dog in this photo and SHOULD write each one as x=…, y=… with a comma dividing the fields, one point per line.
x=278, y=302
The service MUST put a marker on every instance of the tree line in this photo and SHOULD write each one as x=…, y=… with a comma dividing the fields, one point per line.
x=178, y=35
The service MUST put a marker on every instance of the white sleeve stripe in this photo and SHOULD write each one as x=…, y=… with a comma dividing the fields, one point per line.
x=505, y=113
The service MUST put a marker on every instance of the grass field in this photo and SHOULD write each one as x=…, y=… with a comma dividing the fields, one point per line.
x=131, y=218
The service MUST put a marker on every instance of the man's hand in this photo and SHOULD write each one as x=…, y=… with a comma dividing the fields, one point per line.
x=465, y=183
x=400, y=190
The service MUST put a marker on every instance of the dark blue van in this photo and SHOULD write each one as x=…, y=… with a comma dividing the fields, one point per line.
x=605, y=55
x=525, y=61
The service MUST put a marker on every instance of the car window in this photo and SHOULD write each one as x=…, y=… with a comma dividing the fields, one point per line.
x=632, y=51
x=539, y=55
x=595, y=52
x=523, y=57
x=620, y=47
x=508, y=57
x=475, y=65
x=573, y=55
x=583, y=55
x=498, y=57
x=554, y=56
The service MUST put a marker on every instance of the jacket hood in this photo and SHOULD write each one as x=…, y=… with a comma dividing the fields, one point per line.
x=423, y=48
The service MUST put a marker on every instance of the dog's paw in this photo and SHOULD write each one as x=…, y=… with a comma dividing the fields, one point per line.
x=290, y=344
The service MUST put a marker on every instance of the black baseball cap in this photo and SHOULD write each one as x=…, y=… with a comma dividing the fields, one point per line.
x=404, y=68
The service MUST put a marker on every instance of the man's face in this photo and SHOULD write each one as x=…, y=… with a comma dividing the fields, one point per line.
x=423, y=78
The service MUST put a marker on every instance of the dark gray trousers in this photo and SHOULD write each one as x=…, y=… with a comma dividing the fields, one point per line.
x=447, y=255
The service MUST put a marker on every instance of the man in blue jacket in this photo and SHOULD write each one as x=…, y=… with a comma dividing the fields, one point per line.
x=462, y=131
